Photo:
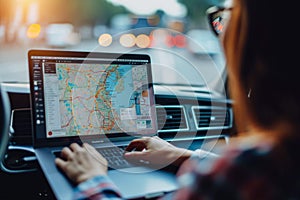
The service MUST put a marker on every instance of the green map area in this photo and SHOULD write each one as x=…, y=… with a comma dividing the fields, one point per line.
x=97, y=99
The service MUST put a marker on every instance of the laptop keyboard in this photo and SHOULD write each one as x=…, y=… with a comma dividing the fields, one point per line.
x=113, y=155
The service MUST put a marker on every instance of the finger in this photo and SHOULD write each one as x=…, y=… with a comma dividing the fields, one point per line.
x=91, y=149
x=60, y=163
x=66, y=153
x=137, y=144
x=94, y=153
x=88, y=147
x=75, y=147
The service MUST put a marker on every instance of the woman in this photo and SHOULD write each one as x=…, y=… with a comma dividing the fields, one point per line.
x=257, y=43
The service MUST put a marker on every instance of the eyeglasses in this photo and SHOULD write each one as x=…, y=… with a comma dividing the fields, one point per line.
x=218, y=18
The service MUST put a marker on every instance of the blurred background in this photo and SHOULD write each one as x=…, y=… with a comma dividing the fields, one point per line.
x=175, y=33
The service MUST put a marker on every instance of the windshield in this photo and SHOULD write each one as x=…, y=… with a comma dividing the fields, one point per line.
x=175, y=33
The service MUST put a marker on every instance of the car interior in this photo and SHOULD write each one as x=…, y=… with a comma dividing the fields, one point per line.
x=178, y=117
x=192, y=103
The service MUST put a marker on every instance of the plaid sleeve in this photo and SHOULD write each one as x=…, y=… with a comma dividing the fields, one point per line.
x=99, y=187
x=201, y=178
x=235, y=175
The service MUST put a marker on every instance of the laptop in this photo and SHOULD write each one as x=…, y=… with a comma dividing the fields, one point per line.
x=104, y=99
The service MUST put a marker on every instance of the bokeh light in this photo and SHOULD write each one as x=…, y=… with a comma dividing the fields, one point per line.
x=180, y=41
x=105, y=40
x=142, y=41
x=33, y=31
x=127, y=40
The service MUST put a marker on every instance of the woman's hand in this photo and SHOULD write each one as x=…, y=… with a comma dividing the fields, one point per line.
x=156, y=152
x=81, y=163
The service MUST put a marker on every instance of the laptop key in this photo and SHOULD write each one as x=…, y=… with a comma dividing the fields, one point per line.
x=113, y=155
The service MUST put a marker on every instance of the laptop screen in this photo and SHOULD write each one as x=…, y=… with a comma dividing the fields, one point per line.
x=84, y=94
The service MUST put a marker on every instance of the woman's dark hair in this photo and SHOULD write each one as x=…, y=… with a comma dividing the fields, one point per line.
x=260, y=46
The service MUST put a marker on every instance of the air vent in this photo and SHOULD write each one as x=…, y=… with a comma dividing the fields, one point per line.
x=209, y=118
x=171, y=118
x=21, y=124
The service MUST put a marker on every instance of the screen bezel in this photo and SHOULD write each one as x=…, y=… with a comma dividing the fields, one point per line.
x=40, y=140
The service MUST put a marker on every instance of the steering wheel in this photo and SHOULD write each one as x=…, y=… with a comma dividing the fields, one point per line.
x=4, y=121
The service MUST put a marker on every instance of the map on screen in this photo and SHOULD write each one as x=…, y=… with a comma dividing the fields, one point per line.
x=85, y=99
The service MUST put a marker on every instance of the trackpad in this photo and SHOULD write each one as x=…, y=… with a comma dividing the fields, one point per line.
x=140, y=182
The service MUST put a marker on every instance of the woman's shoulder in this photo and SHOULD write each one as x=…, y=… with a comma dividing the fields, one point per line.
x=258, y=149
